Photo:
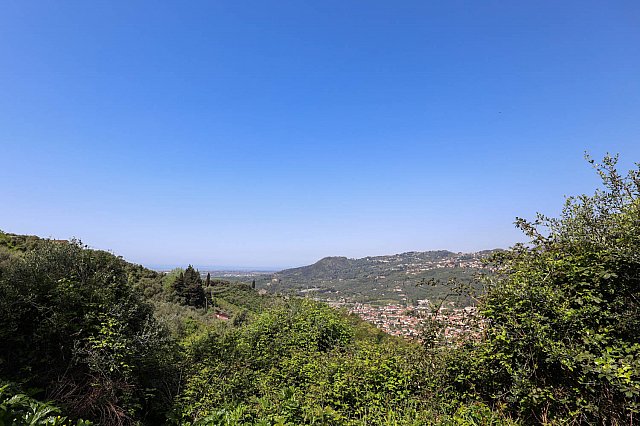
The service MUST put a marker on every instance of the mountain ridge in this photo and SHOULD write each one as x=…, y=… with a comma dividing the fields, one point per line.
x=392, y=278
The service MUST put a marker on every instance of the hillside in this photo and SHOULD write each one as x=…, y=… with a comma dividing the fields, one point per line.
x=90, y=336
x=381, y=279
x=556, y=342
x=17, y=243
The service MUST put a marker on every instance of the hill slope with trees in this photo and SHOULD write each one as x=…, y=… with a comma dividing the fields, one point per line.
x=86, y=335
x=379, y=279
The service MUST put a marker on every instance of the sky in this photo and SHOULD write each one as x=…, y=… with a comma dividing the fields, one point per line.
x=270, y=134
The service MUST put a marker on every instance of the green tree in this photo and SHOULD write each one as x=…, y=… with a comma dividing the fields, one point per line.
x=187, y=288
x=193, y=290
x=178, y=288
x=563, y=311
x=72, y=325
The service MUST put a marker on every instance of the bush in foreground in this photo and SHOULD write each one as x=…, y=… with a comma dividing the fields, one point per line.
x=563, y=313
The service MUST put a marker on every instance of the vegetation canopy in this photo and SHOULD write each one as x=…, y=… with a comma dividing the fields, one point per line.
x=89, y=338
x=562, y=314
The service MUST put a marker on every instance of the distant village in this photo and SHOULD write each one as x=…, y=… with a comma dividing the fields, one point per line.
x=403, y=315
x=417, y=268
x=409, y=322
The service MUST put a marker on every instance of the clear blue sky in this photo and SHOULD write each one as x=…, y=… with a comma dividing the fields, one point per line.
x=271, y=134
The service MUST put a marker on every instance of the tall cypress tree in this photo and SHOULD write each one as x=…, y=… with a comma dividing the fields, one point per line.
x=193, y=292
x=178, y=287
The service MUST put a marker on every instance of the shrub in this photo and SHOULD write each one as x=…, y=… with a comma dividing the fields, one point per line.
x=72, y=325
x=563, y=319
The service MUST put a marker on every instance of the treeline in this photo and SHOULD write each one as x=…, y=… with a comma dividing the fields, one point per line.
x=86, y=335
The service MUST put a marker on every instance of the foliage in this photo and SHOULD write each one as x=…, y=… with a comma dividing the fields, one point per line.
x=475, y=414
x=233, y=298
x=181, y=321
x=561, y=337
x=18, y=409
x=77, y=326
x=378, y=280
x=149, y=283
x=72, y=325
x=18, y=243
x=299, y=363
x=187, y=288
x=563, y=320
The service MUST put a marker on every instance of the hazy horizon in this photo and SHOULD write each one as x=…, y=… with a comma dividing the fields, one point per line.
x=279, y=133
x=266, y=268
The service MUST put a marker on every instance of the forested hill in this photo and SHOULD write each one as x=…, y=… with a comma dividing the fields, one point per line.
x=17, y=243
x=383, y=279
x=117, y=344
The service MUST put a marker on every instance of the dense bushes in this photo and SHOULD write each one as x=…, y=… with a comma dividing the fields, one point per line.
x=72, y=325
x=561, y=339
x=76, y=326
x=17, y=409
x=563, y=320
x=301, y=364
